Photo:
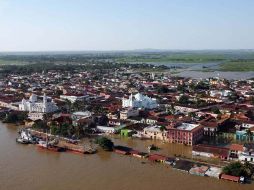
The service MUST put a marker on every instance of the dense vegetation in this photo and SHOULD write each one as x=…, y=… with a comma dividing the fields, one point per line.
x=15, y=117
x=239, y=169
x=37, y=62
x=105, y=143
x=238, y=65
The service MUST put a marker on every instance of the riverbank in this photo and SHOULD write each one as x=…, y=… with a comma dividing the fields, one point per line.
x=105, y=170
x=190, y=166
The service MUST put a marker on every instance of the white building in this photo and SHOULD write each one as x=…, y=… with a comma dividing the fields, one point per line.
x=139, y=101
x=221, y=93
x=34, y=105
x=153, y=132
x=73, y=98
x=36, y=116
x=105, y=129
x=130, y=112
x=247, y=155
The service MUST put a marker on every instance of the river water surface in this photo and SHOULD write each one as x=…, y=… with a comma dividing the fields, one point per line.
x=24, y=167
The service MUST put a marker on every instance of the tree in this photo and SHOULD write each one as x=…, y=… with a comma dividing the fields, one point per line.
x=249, y=168
x=181, y=88
x=235, y=169
x=163, y=90
x=163, y=128
x=105, y=143
x=64, y=130
x=249, y=134
x=215, y=110
x=14, y=117
x=40, y=124
x=252, y=100
x=54, y=130
x=233, y=96
x=103, y=120
x=184, y=99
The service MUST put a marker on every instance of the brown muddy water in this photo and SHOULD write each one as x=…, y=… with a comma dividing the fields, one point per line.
x=25, y=167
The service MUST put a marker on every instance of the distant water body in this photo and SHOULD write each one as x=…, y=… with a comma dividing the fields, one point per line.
x=227, y=75
x=194, y=70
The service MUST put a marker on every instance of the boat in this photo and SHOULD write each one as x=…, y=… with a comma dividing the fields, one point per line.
x=76, y=150
x=45, y=145
x=24, y=134
x=50, y=145
x=22, y=141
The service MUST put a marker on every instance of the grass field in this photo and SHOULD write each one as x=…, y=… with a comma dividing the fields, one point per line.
x=237, y=66
x=174, y=58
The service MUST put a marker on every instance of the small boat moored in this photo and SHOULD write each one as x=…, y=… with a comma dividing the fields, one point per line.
x=22, y=141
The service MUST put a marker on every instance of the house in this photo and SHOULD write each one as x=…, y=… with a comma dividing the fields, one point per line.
x=127, y=113
x=235, y=151
x=210, y=126
x=184, y=133
x=126, y=132
x=157, y=158
x=210, y=151
x=153, y=132
x=230, y=178
x=36, y=116
x=243, y=135
x=80, y=118
x=248, y=153
x=138, y=154
x=105, y=129
x=185, y=109
x=213, y=172
x=73, y=97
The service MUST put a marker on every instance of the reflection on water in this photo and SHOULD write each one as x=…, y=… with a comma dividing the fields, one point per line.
x=26, y=167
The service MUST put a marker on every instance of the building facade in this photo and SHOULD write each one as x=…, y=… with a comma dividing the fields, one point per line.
x=139, y=101
x=185, y=133
x=34, y=105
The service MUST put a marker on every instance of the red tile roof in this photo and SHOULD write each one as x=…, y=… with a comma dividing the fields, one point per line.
x=237, y=147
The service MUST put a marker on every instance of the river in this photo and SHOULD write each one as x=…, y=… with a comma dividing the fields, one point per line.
x=25, y=167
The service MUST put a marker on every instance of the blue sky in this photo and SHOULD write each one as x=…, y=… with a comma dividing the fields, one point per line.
x=63, y=25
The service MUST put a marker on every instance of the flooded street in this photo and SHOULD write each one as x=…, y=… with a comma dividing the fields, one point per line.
x=26, y=167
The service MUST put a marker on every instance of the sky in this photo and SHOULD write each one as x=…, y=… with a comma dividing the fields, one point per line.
x=81, y=25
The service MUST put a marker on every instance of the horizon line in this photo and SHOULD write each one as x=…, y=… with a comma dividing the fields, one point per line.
x=126, y=50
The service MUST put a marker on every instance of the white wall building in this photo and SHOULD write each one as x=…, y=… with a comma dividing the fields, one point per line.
x=73, y=98
x=130, y=112
x=153, y=132
x=139, y=101
x=33, y=105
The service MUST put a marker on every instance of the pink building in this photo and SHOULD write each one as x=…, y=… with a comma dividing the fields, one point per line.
x=185, y=133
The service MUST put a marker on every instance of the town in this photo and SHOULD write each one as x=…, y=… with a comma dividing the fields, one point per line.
x=65, y=108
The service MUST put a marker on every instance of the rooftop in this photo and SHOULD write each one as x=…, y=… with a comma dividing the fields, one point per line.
x=187, y=126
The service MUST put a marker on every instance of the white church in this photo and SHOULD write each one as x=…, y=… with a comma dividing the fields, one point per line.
x=36, y=106
x=139, y=101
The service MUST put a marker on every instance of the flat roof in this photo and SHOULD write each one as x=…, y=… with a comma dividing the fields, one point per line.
x=187, y=126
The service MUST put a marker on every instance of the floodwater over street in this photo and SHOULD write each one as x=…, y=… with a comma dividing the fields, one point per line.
x=25, y=167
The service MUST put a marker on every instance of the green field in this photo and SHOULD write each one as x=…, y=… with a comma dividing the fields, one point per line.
x=171, y=58
x=237, y=66
x=228, y=60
